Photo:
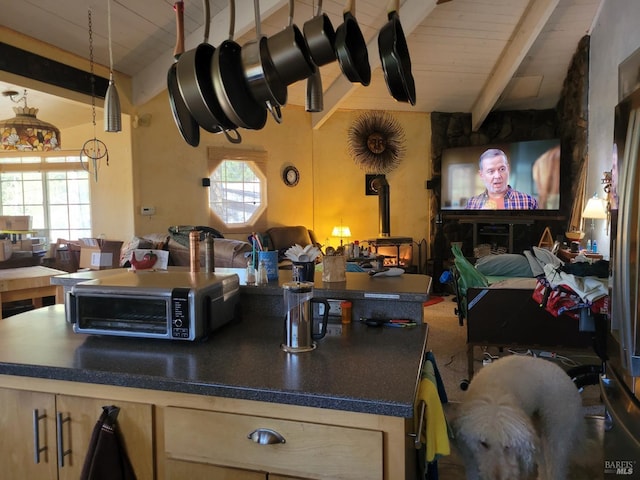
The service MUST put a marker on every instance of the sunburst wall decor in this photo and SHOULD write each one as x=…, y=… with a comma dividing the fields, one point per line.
x=376, y=141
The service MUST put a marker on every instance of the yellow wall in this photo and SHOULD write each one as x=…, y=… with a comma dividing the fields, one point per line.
x=339, y=183
x=168, y=175
x=112, y=195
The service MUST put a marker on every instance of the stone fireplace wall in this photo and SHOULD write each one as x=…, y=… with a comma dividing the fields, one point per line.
x=568, y=121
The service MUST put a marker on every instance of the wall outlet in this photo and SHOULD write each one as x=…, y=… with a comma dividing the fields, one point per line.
x=147, y=211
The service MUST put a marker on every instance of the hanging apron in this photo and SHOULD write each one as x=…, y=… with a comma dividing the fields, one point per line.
x=107, y=458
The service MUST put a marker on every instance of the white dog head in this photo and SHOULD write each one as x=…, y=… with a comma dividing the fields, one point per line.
x=498, y=436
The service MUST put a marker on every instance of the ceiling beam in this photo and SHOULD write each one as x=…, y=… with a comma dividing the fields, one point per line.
x=153, y=79
x=412, y=14
x=531, y=24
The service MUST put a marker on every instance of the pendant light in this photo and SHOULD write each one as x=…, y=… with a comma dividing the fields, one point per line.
x=25, y=132
x=112, y=111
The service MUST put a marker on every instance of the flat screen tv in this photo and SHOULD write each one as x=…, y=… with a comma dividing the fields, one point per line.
x=534, y=169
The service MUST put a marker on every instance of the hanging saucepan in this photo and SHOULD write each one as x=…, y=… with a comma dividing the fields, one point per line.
x=196, y=87
x=186, y=124
x=351, y=49
x=320, y=37
x=230, y=85
x=394, y=55
x=260, y=72
x=290, y=53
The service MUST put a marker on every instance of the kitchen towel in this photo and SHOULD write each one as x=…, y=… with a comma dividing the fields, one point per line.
x=434, y=433
x=107, y=458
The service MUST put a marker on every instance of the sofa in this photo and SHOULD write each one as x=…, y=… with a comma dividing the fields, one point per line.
x=281, y=238
x=228, y=252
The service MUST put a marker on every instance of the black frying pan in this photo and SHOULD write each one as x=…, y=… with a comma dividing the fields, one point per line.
x=260, y=71
x=351, y=49
x=186, y=124
x=196, y=87
x=395, y=59
x=230, y=85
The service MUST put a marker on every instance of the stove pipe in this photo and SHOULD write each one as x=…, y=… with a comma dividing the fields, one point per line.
x=381, y=186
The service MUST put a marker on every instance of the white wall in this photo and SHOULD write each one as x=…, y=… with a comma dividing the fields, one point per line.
x=615, y=36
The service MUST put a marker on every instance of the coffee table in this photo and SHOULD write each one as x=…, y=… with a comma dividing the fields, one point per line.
x=26, y=283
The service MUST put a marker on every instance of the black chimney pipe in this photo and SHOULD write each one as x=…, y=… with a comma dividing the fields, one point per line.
x=381, y=186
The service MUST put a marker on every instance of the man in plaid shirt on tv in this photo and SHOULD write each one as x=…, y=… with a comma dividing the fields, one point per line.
x=494, y=171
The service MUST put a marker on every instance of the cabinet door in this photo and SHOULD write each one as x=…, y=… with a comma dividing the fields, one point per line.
x=134, y=423
x=19, y=431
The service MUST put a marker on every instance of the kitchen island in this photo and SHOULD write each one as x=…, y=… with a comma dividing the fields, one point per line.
x=187, y=408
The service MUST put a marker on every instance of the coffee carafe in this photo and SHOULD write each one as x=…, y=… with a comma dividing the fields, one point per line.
x=299, y=332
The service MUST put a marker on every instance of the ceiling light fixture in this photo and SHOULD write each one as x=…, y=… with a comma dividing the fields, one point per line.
x=112, y=111
x=25, y=132
x=93, y=149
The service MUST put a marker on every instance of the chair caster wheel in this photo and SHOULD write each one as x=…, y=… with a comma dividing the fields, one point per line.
x=464, y=385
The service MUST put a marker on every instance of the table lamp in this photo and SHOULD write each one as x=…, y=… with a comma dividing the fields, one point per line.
x=341, y=231
x=594, y=210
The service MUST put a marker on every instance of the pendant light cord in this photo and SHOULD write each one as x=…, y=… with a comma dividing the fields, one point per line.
x=93, y=79
x=109, y=33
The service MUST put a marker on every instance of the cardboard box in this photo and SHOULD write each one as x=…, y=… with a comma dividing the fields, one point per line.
x=15, y=222
x=97, y=254
x=24, y=245
x=63, y=255
x=6, y=249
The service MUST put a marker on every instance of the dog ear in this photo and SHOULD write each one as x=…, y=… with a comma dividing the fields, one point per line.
x=519, y=434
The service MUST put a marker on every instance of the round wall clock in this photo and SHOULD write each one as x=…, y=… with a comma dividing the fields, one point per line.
x=291, y=176
x=376, y=142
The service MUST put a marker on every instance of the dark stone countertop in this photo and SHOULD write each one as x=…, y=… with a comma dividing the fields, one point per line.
x=371, y=370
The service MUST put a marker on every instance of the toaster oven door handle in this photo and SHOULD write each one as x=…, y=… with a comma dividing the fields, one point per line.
x=70, y=307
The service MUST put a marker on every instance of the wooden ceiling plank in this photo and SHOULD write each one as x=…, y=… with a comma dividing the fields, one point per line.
x=152, y=80
x=412, y=13
x=536, y=16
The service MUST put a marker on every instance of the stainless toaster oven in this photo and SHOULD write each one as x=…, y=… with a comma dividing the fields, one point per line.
x=163, y=304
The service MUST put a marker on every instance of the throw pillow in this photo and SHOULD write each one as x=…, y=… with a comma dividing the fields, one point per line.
x=505, y=265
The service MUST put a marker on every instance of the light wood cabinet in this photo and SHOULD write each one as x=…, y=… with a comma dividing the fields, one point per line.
x=18, y=438
x=170, y=435
x=45, y=435
x=270, y=445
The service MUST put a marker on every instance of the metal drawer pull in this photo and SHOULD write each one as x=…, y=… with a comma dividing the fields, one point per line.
x=61, y=451
x=265, y=436
x=37, y=449
x=416, y=441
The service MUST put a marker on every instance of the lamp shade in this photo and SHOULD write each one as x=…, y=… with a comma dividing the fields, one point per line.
x=595, y=209
x=25, y=132
x=341, y=231
x=112, y=111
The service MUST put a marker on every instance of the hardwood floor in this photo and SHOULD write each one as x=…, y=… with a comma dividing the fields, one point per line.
x=447, y=341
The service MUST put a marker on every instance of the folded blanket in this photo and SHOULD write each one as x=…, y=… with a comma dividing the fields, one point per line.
x=589, y=289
